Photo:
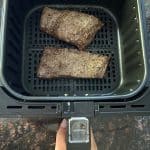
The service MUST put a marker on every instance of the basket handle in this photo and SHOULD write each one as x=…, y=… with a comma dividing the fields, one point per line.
x=78, y=133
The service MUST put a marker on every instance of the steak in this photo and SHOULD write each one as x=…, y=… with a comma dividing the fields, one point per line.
x=73, y=27
x=64, y=62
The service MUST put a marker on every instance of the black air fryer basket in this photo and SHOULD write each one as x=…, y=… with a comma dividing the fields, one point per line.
x=123, y=38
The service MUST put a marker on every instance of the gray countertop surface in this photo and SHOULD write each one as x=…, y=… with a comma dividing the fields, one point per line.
x=122, y=132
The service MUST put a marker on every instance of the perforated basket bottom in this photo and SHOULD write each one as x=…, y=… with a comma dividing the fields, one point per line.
x=106, y=43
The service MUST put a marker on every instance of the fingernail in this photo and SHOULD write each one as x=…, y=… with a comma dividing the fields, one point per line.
x=63, y=123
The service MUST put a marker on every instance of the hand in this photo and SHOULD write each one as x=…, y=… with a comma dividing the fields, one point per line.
x=61, y=137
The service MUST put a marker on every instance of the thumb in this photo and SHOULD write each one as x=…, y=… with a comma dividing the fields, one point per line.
x=61, y=136
x=93, y=143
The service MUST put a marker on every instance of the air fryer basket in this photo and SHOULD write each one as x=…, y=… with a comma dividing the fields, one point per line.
x=104, y=43
x=121, y=38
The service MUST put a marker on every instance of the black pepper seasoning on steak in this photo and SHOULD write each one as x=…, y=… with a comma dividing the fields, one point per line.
x=73, y=27
x=66, y=62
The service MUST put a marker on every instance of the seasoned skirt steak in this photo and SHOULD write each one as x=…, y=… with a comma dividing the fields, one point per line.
x=73, y=27
x=65, y=62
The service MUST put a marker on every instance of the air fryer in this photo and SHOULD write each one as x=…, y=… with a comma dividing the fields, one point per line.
x=121, y=38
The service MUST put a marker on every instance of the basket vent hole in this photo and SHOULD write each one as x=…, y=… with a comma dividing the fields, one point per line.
x=54, y=107
x=100, y=106
x=137, y=106
x=14, y=107
x=118, y=106
x=36, y=107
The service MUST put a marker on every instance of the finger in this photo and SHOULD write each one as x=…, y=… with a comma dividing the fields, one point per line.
x=61, y=136
x=93, y=143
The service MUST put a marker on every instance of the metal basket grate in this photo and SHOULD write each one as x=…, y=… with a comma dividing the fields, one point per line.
x=106, y=42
